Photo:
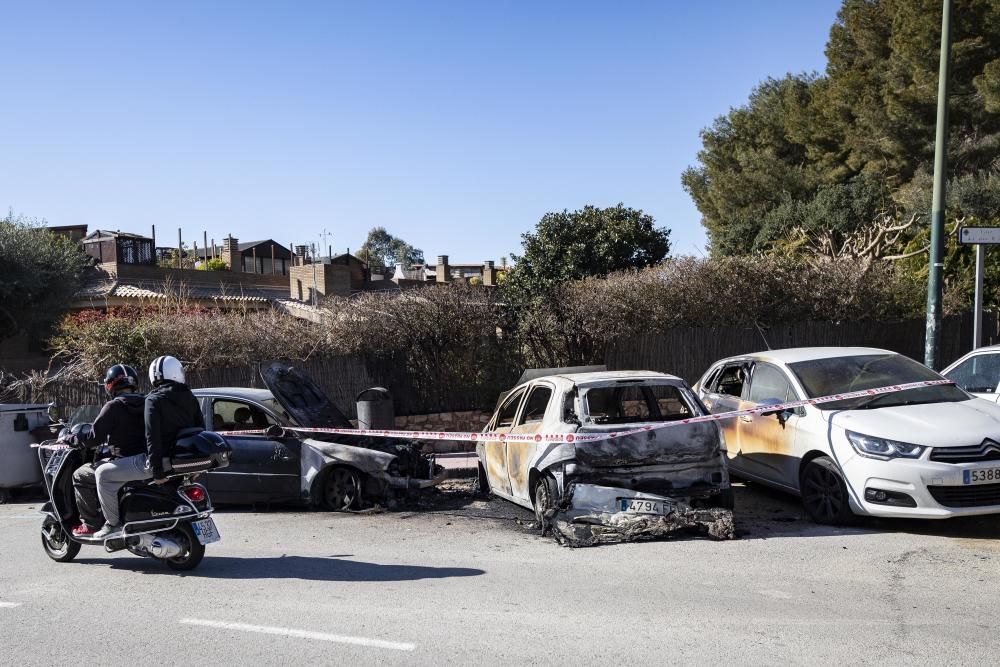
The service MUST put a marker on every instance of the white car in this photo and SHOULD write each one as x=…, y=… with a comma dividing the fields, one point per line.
x=978, y=372
x=931, y=452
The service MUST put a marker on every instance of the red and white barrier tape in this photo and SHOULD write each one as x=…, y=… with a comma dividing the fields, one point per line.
x=591, y=437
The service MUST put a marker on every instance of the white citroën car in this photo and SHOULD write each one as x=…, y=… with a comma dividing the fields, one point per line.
x=930, y=452
x=641, y=474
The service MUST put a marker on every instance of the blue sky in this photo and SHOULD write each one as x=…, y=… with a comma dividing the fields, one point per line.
x=455, y=125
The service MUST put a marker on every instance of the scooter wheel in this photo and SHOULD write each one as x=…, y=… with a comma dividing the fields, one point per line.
x=194, y=550
x=57, y=544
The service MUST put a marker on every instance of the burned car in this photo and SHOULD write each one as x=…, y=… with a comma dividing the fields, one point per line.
x=563, y=472
x=336, y=472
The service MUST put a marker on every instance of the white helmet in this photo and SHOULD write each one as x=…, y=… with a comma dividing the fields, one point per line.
x=166, y=368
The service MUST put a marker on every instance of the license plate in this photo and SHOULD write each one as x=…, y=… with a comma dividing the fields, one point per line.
x=634, y=506
x=205, y=531
x=981, y=476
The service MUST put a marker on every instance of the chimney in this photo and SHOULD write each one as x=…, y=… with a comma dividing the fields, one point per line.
x=301, y=251
x=489, y=273
x=231, y=253
x=443, y=270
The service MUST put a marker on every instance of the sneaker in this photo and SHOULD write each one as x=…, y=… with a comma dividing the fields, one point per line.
x=83, y=530
x=108, y=532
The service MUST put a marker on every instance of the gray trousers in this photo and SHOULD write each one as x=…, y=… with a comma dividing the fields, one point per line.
x=112, y=476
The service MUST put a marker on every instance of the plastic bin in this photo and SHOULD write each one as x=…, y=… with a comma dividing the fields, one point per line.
x=375, y=409
x=18, y=461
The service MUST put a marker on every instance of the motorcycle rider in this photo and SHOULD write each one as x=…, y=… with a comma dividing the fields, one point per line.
x=169, y=408
x=120, y=425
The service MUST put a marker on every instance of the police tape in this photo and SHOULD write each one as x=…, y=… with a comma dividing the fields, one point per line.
x=471, y=436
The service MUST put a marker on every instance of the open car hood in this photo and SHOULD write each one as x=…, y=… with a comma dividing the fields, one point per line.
x=300, y=396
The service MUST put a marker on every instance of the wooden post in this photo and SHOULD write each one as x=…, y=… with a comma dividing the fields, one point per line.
x=180, y=245
x=272, y=259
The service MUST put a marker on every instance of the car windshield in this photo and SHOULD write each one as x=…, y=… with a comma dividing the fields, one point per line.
x=634, y=403
x=838, y=375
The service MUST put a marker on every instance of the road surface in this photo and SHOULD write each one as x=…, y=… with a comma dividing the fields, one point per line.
x=464, y=581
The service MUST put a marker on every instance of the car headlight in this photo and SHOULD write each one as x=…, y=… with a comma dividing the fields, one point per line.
x=883, y=448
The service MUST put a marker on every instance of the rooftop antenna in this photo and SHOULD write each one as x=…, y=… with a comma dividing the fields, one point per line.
x=325, y=236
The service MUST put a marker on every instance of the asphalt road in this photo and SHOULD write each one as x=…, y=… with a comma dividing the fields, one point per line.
x=465, y=581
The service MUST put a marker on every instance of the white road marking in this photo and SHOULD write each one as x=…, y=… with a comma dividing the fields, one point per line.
x=9, y=605
x=301, y=634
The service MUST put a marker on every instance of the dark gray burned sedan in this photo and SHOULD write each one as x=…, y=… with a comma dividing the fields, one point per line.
x=337, y=472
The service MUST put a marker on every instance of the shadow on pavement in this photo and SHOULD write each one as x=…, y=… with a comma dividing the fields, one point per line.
x=763, y=512
x=310, y=568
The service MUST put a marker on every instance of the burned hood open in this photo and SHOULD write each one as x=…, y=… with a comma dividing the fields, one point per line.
x=300, y=396
x=674, y=444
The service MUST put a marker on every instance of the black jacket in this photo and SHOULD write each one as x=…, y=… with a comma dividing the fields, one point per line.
x=170, y=408
x=120, y=425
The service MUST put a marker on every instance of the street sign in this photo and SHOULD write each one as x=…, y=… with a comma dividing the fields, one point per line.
x=975, y=235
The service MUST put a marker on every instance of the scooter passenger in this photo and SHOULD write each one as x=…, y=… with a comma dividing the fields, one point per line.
x=121, y=426
x=169, y=408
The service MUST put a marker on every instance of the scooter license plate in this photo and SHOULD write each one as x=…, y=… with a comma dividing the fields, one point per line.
x=205, y=531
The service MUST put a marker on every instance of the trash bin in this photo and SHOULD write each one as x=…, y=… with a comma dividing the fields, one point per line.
x=18, y=461
x=375, y=409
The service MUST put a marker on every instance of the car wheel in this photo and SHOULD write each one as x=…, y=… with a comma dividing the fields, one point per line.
x=341, y=489
x=545, y=495
x=824, y=492
x=57, y=544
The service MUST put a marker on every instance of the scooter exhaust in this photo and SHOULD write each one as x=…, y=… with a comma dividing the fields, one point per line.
x=160, y=547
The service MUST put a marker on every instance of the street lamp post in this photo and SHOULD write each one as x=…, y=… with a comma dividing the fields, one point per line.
x=932, y=339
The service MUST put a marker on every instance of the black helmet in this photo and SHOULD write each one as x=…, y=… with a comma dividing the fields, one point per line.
x=120, y=376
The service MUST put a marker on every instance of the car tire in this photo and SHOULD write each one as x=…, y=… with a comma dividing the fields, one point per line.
x=341, y=489
x=824, y=493
x=544, y=496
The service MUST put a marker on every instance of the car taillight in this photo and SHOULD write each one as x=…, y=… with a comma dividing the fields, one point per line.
x=195, y=494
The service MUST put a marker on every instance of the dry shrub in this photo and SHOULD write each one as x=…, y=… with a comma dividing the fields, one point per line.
x=574, y=323
x=463, y=338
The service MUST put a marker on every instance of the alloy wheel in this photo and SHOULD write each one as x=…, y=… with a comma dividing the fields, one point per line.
x=342, y=489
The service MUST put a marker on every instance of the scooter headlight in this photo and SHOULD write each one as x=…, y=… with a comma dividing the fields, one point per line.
x=883, y=448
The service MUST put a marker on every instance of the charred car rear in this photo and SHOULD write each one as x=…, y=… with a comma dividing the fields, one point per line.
x=651, y=472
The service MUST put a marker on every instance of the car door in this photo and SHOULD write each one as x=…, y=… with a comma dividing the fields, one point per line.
x=521, y=454
x=767, y=442
x=496, y=450
x=260, y=469
x=978, y=374
x=723, y=392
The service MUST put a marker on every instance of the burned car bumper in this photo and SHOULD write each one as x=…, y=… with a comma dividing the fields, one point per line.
x=591, y=514
x=440, y=474
x=690, y=482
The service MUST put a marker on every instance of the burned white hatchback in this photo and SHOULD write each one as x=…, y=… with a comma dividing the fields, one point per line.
x=662, y=472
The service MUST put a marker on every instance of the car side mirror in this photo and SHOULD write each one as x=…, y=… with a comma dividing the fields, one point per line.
x=274, y=431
